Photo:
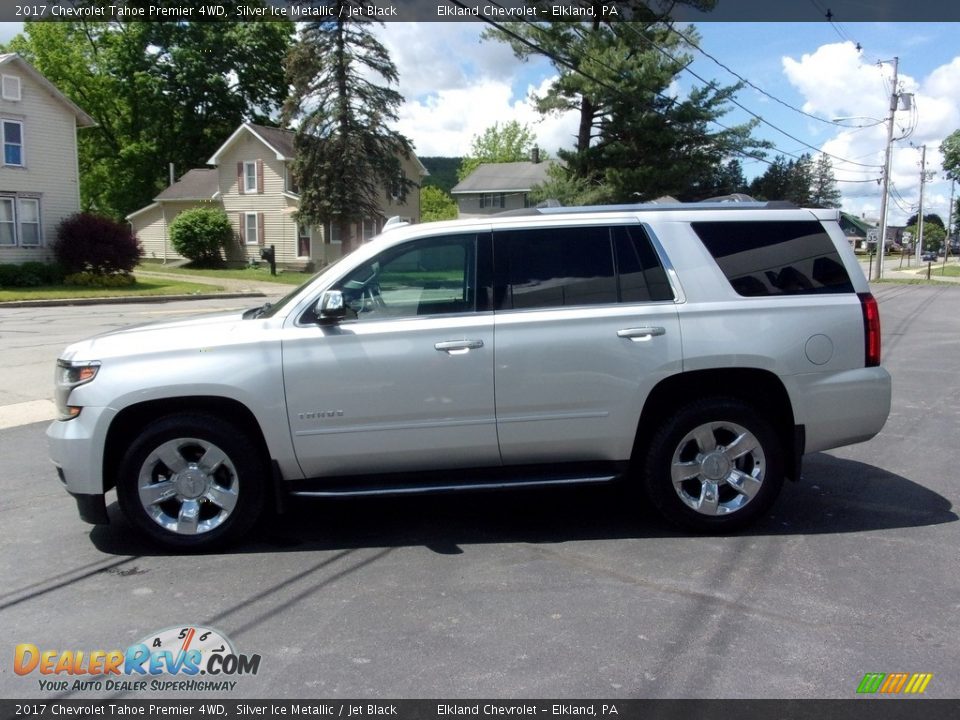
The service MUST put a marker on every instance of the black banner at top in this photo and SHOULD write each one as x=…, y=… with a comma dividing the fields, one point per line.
x=482, y=10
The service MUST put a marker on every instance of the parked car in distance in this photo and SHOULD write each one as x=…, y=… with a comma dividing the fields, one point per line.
x=695, y=351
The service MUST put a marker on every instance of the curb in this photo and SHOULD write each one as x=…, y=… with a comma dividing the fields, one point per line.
x=127, y=300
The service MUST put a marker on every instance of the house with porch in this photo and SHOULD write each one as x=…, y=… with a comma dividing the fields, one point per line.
x=250, y=179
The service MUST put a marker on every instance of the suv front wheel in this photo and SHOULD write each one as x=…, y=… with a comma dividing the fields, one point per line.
x=714, y=466
x=192, y=481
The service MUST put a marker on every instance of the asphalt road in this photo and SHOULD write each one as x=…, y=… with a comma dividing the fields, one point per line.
x=581, y=593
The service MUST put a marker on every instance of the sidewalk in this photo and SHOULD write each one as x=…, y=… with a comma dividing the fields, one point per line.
x=232, y=288
x=893, y=271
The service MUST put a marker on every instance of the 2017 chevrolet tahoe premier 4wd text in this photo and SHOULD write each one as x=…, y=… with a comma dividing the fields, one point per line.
x=696, y=350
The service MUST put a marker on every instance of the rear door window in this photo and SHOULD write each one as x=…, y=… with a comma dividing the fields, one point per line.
x=588, y=265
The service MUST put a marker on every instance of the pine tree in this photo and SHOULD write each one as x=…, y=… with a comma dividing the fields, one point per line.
x=635, y=140
x=346, y=155
x=823, y=191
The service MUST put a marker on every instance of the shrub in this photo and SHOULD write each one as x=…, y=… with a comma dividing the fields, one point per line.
x=201, y=234
x=93, y=279
x=30, y=274
x=91, y=243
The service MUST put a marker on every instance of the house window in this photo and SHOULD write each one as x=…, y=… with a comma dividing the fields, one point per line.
x=19, y=222
x=369, y=229
x=250, y=176
x=11, y=87
x=334, y=234
x=12, y=143
x=492, y=200
x=8, y=224
x=251, y=228
x=29, y=211
x=303, y=241
x=292, y=185
x=398, y=188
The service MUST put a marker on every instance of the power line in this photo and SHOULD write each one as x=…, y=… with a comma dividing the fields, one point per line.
x=745, y=81
x=748, y=110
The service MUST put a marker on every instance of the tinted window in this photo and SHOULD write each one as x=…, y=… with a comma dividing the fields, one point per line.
x=775, y=258
x=555, y=267
x=642, y=277
x=426, y=277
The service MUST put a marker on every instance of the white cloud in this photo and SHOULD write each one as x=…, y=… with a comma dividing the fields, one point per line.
x=835, y=82
x=446, y=122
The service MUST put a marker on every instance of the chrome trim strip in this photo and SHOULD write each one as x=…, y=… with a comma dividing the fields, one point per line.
x=426, y=425
x=557, y=416
x=426, y=489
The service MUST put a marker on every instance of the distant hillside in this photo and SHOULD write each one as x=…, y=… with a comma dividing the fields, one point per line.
x=443, y=172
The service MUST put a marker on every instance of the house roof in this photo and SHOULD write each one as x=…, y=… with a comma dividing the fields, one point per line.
x=279, y=141
x=503, y=177
x=864, y=227
x=13, y=59
x=199, y=184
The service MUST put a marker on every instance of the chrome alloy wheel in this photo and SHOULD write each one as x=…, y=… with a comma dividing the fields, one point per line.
x=188, y=486
x=717, y=468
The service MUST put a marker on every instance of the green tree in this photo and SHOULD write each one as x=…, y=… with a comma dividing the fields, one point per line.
x=634, y=138
x=346, y=153
x=823, y=191
x=951, y=154
x=511, y=143
x=201, y=234
x=160, y=93
x=929, y=218
x=435, y=204
x=933, y=235
x=774, y=184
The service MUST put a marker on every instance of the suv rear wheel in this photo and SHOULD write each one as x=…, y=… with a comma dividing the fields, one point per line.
x=192, y=481
x=714, y=466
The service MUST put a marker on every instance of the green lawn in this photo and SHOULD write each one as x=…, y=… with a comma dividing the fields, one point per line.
x=938, y=269
x=259, y=274
x=139, y=288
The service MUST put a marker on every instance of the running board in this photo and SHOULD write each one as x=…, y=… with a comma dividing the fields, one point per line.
x=441, y=482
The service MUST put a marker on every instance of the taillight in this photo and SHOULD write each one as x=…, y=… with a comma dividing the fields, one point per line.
x=871, y=329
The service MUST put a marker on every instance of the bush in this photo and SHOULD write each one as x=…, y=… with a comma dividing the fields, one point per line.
x=30, y=274
x=93, y=279
x=201, y=234
x=91, y=243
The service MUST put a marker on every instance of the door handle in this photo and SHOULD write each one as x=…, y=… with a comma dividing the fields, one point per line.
x=458, y=347
x=641, y=334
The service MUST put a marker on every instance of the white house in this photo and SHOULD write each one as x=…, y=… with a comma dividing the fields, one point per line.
x=39, y=175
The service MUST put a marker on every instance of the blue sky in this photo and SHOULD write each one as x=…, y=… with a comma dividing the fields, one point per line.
x=457, y=85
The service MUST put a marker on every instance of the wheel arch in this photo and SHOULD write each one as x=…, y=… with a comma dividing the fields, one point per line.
x=759, y=388
x=130, y=421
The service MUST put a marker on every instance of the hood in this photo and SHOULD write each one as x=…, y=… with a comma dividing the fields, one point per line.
x=166, y=336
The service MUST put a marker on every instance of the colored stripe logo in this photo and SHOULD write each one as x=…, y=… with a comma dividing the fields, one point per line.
x=895, y=683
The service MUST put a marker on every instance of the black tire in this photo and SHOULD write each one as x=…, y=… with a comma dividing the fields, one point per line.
x=172, y=496
x=714, y=489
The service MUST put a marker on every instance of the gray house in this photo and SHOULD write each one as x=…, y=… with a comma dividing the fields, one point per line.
x=495, y=187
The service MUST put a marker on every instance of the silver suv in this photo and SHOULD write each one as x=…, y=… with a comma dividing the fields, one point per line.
x=697, y=351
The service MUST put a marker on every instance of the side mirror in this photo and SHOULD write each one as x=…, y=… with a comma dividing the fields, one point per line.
x=331, y=307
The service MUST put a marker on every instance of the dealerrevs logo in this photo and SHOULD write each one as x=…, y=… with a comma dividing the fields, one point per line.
x=154, y=663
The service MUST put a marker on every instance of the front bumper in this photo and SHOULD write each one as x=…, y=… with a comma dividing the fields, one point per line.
x=76, y=448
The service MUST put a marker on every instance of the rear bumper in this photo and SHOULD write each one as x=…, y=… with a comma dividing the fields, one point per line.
x=841, y=408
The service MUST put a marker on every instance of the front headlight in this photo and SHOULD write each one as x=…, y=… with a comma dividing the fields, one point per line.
x=69, y=375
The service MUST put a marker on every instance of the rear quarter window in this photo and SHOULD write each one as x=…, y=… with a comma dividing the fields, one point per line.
x=775, y=257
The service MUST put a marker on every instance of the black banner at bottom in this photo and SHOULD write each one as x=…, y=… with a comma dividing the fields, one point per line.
x=854, y=709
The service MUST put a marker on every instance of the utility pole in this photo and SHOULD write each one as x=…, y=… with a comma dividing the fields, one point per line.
x=894, y=96
x=946, y=250
x=923, y=181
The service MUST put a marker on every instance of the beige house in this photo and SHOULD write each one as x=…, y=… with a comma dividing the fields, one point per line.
x=39, y=175
x=251, y=181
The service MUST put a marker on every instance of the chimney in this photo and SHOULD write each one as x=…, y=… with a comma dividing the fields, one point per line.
x=534, y=154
